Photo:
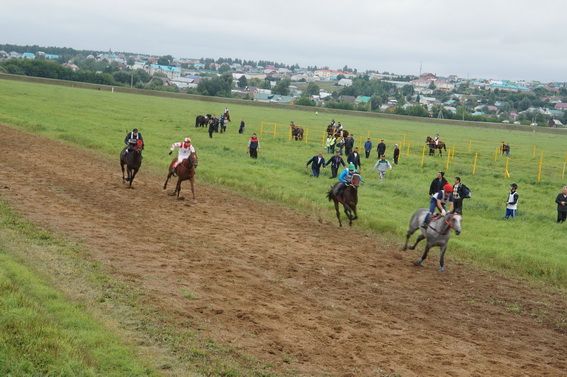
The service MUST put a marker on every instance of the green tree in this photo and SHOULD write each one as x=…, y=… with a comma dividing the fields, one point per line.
x=130, y=61
x=224, y=68
x=282, y=87
x=305, y=101
x=165, y=60
x=242, y=82
x=312, y=89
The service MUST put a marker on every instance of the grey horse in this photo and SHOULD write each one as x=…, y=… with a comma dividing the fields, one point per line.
x=437, y=233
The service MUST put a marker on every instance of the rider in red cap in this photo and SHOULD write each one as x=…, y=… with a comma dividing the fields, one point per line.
x=438, y=201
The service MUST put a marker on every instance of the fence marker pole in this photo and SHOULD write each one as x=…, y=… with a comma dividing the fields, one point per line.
x=423, y=155
x=540, y=167
x=474, y=164
x=506, y=172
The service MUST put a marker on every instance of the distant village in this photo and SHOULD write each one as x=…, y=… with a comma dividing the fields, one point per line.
x=530, y=103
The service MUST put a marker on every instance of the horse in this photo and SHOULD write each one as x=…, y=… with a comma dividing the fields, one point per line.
x=348, y=198
x=432, y=146
x=202, y=120
x=296, y=132
x=222, y=123
x=437, y=233
x=131, y=157
x=184, y=171
x=227, y=116
x=505, y=149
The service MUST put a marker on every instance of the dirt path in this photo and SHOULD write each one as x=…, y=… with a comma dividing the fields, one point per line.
x=278, y=285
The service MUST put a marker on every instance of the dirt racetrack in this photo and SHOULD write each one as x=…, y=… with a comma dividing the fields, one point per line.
x=278, y=285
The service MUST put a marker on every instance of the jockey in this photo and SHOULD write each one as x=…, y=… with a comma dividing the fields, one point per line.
x=436, y=139
x=132, y=138
x=345, y=178
x=438, y=200
x=185, y=151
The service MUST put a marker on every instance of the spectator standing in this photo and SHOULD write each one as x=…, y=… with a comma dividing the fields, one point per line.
x=354, y=157
x=336, y=161
x=253, y=146
x=381, y=148
x=316, y=163
x=396, y=153
x=561, y=201
x=367, y=147
x=241, y=129
x=438, y=183
x=512, y=202
x=349, y=144
x=460, y=192
x=382, y=166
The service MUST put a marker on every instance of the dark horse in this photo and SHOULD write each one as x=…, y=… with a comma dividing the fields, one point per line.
x=202, y=120
x=227, y=116
x=432, y=146
x=348, y=197
x=296, y=132
x=131, y=157
x=184, y=171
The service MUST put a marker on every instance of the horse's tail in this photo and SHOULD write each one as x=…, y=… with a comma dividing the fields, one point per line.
x=330, y=195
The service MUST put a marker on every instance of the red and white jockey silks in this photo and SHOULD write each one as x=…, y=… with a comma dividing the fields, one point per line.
x=185, y=150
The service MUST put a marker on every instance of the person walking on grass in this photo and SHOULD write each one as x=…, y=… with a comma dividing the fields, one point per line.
x=396, y=153
x=381, y=148
x=512, y=202
x=382, y=166
x=368, y=147
x=336, y=161
x=354, y=157
x=561, y=201
x=316, y=163
x=253, y=146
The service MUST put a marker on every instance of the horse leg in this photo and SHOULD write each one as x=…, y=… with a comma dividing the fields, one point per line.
x=167, y=180
x=178, y=188
x=348, y=213
x=420, y=238
x=192, y=187
x=133, y=174
x=419, y=262
x=122, y=166
x=338, y=212
x=442, y=258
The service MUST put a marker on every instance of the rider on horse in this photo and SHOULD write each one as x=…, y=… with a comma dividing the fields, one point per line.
x=345, y=178
x=436, y=139
x=185, y=151
x=438, y=200
x=131, y=139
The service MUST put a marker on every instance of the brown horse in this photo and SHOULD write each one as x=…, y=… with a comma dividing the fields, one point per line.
x=296, y=132
x=131, y=157
x=348, y=197
x=184, y=171
x=432, y=146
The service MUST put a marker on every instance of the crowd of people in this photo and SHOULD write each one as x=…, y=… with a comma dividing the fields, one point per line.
x=444, y=196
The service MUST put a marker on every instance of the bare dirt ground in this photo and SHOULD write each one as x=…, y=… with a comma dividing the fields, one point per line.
x=279, y=285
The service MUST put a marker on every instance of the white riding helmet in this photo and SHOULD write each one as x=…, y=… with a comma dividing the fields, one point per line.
x=187, y=140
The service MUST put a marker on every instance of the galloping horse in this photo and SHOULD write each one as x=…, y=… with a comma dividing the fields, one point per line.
x=296, y=132
x=432, y=146
x=505, y=149
x=348, y=198
x=131, y=157
x=185, y=171
x=227, y=116
x=436, y=234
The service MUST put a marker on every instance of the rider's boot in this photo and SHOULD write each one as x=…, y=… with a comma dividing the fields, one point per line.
x=426, y=221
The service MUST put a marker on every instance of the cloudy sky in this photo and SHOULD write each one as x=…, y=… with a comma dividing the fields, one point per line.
x=501, y=39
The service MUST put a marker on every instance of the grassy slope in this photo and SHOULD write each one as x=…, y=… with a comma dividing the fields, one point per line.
x=42, y=333
x=531, y=245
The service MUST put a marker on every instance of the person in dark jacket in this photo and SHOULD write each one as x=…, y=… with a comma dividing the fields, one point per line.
x=316, y=162
x=561, y=201
x=438, y=183
x=381, y=148
x=396, y=153
x=349, y=144
x=336, y=161
x=253, y=146
x=241, y=129
x=367, y=147
x=354, y=157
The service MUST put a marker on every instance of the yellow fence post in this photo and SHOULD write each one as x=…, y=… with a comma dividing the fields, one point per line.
x=306, y=135
x=423, y=156
x=506, y=171
x=496, y=154
x=539, y=167
x=275, y=129
x=563, y=173
x=474, y=164
x=448, y=160
x=408, y=150
x=324, y=143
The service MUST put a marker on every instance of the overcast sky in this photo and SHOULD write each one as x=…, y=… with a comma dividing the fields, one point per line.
x=501, y=39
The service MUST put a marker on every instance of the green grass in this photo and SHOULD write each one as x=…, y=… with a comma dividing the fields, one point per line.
x=530, y=246
x=43, y=334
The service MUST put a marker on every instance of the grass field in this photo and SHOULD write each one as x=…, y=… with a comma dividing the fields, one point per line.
x=43, y=334
x=531, y=245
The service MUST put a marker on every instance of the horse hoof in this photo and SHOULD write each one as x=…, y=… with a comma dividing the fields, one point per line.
x=181, y=198
x=418, y=263
x=441, y=269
